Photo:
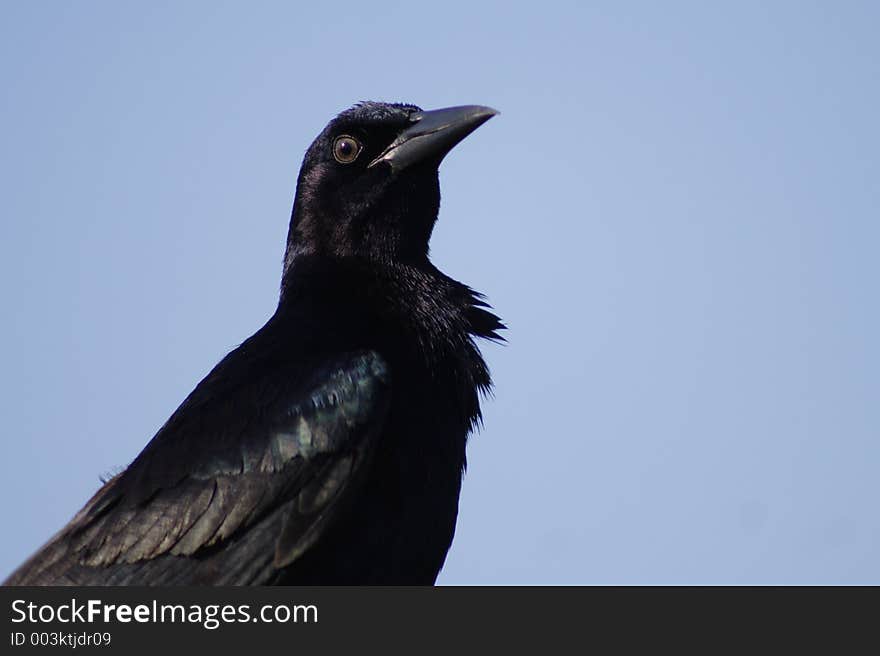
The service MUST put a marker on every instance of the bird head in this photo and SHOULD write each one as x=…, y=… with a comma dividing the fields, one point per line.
x=368, y=186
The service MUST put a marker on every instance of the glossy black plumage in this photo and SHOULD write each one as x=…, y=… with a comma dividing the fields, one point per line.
x=329, y=447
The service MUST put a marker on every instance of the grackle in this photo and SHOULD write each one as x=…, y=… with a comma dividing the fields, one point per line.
x=329, y=447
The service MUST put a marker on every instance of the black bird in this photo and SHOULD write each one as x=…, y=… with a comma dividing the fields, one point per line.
x=329, y=447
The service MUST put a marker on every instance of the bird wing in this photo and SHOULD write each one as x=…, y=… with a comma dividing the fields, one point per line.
x=262, y=455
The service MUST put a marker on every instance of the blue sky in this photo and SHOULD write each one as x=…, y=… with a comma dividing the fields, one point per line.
x=675, y=213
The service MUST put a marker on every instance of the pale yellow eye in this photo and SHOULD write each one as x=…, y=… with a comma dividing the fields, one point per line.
x=346, y=149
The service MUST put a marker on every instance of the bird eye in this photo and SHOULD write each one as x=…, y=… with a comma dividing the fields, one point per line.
x=346, y=149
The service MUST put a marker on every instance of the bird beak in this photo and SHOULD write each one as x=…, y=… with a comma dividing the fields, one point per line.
x=432, y=135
